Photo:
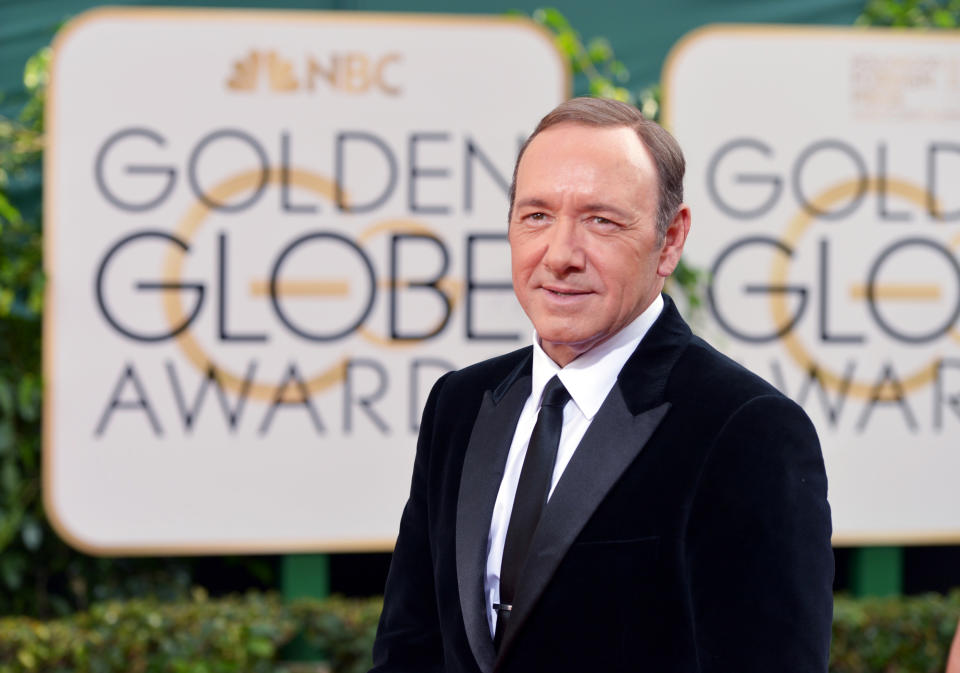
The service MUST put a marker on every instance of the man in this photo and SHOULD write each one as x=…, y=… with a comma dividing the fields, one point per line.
x=685, y=524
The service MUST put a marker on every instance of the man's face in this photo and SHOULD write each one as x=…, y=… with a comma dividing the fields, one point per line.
x=583, y=236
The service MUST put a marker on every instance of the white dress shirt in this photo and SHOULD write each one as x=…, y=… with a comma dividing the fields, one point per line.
x=588, y=379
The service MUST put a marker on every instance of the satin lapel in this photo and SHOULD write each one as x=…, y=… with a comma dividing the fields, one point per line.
x=615, y=438
x=483, y=467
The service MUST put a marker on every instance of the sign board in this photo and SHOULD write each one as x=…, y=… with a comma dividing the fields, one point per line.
x=267, y=234
x=822, y=166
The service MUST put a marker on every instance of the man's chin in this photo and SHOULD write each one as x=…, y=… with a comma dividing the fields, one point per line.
x=564, y=346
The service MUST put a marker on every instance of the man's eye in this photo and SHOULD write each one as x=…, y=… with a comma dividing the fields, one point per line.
x=597, y=219
x=537, y=217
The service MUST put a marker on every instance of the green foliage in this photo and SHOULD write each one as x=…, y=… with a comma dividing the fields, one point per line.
x=199, y=635
x=605, y=75
x=911, y=13
x=893, y=635
x=202, y=635
x=343, y=629
x=23, y=532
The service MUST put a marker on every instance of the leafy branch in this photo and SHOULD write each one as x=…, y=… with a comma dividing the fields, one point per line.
x=911, y=13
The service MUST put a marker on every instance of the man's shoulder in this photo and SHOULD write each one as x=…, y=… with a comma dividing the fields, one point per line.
x=692, y=373
x=724, y=398
x=466, y=387
x=459, y=394
x=491, y=373
x=705, y=369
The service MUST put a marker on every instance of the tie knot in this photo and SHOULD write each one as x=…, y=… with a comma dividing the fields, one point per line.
x=554, y=394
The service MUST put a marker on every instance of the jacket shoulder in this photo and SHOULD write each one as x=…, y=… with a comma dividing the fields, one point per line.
x=489, y=374
x=463, y=389
x=705, y=374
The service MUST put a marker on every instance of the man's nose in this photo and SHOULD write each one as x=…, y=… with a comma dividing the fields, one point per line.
x=565, y=252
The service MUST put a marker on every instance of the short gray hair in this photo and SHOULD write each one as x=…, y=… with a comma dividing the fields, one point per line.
x=605, y=113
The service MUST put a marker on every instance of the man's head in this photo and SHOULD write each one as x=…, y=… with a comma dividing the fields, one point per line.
x=603, y=113
x=592, y=236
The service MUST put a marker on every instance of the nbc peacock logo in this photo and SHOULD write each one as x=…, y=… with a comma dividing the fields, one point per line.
x=346, y=72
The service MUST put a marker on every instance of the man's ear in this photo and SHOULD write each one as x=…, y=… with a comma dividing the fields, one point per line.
x=673, y=241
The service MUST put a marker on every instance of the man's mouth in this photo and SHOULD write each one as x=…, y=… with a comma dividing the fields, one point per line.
x=564, y=292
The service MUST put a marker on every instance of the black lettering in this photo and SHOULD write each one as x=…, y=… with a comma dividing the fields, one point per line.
x=824, y=288
x=275, y=298
x=474, y=152
x=222, y=296
x=431, y=285
x=168, y=171
x=855, y=159
x=280, y=399
x=882, y=212
x=141, y=402
x=365, y=402
x=888, y=378
x=285, y=202
x=416, y=172
x=884, y=324
x=474, y=285
x=754, y=289
x=108, y=315
x=933, y=184
x=263, y=165
x=942, y=399
x=189, y=415
x=340, y=169
x=775, y=183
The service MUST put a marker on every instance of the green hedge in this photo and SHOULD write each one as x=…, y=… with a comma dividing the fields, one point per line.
x=226, y=635
x=893, y=635
x=889, y=635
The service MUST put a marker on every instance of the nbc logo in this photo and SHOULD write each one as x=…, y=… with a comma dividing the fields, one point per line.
x=346, y=72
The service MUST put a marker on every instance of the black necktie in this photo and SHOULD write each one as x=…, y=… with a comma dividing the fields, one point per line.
x=532, y=491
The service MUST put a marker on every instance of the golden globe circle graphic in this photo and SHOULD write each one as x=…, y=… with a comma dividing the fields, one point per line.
x=194, y=220
x=801, y=355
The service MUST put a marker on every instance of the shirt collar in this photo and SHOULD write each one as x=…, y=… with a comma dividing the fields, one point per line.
x=590, y=377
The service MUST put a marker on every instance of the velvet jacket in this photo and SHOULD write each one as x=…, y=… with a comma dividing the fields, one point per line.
x=690, y=531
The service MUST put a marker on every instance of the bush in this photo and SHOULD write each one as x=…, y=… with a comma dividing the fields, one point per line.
x=893, y=635
x=341, y=628
x=202, y=635
x=144, y=635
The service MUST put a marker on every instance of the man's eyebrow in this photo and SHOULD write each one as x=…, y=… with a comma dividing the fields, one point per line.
x=531, y=202
x=596, y=207
x=606, y=208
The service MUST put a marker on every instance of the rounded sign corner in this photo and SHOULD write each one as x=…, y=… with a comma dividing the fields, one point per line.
x=63, y=530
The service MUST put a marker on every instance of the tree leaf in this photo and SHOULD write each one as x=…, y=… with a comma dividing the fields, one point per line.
x=7, y=436
x=12, y=567
x=10, y=476
x=599, y=50
x=32, y=534
x=8, y=212
x=944, y=19
x=28, y=398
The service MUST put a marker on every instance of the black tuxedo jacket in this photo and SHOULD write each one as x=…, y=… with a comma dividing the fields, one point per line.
x=690, y=532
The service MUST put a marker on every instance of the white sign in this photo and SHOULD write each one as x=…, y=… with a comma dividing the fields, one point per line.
x=267, y=234
x=822, y=173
